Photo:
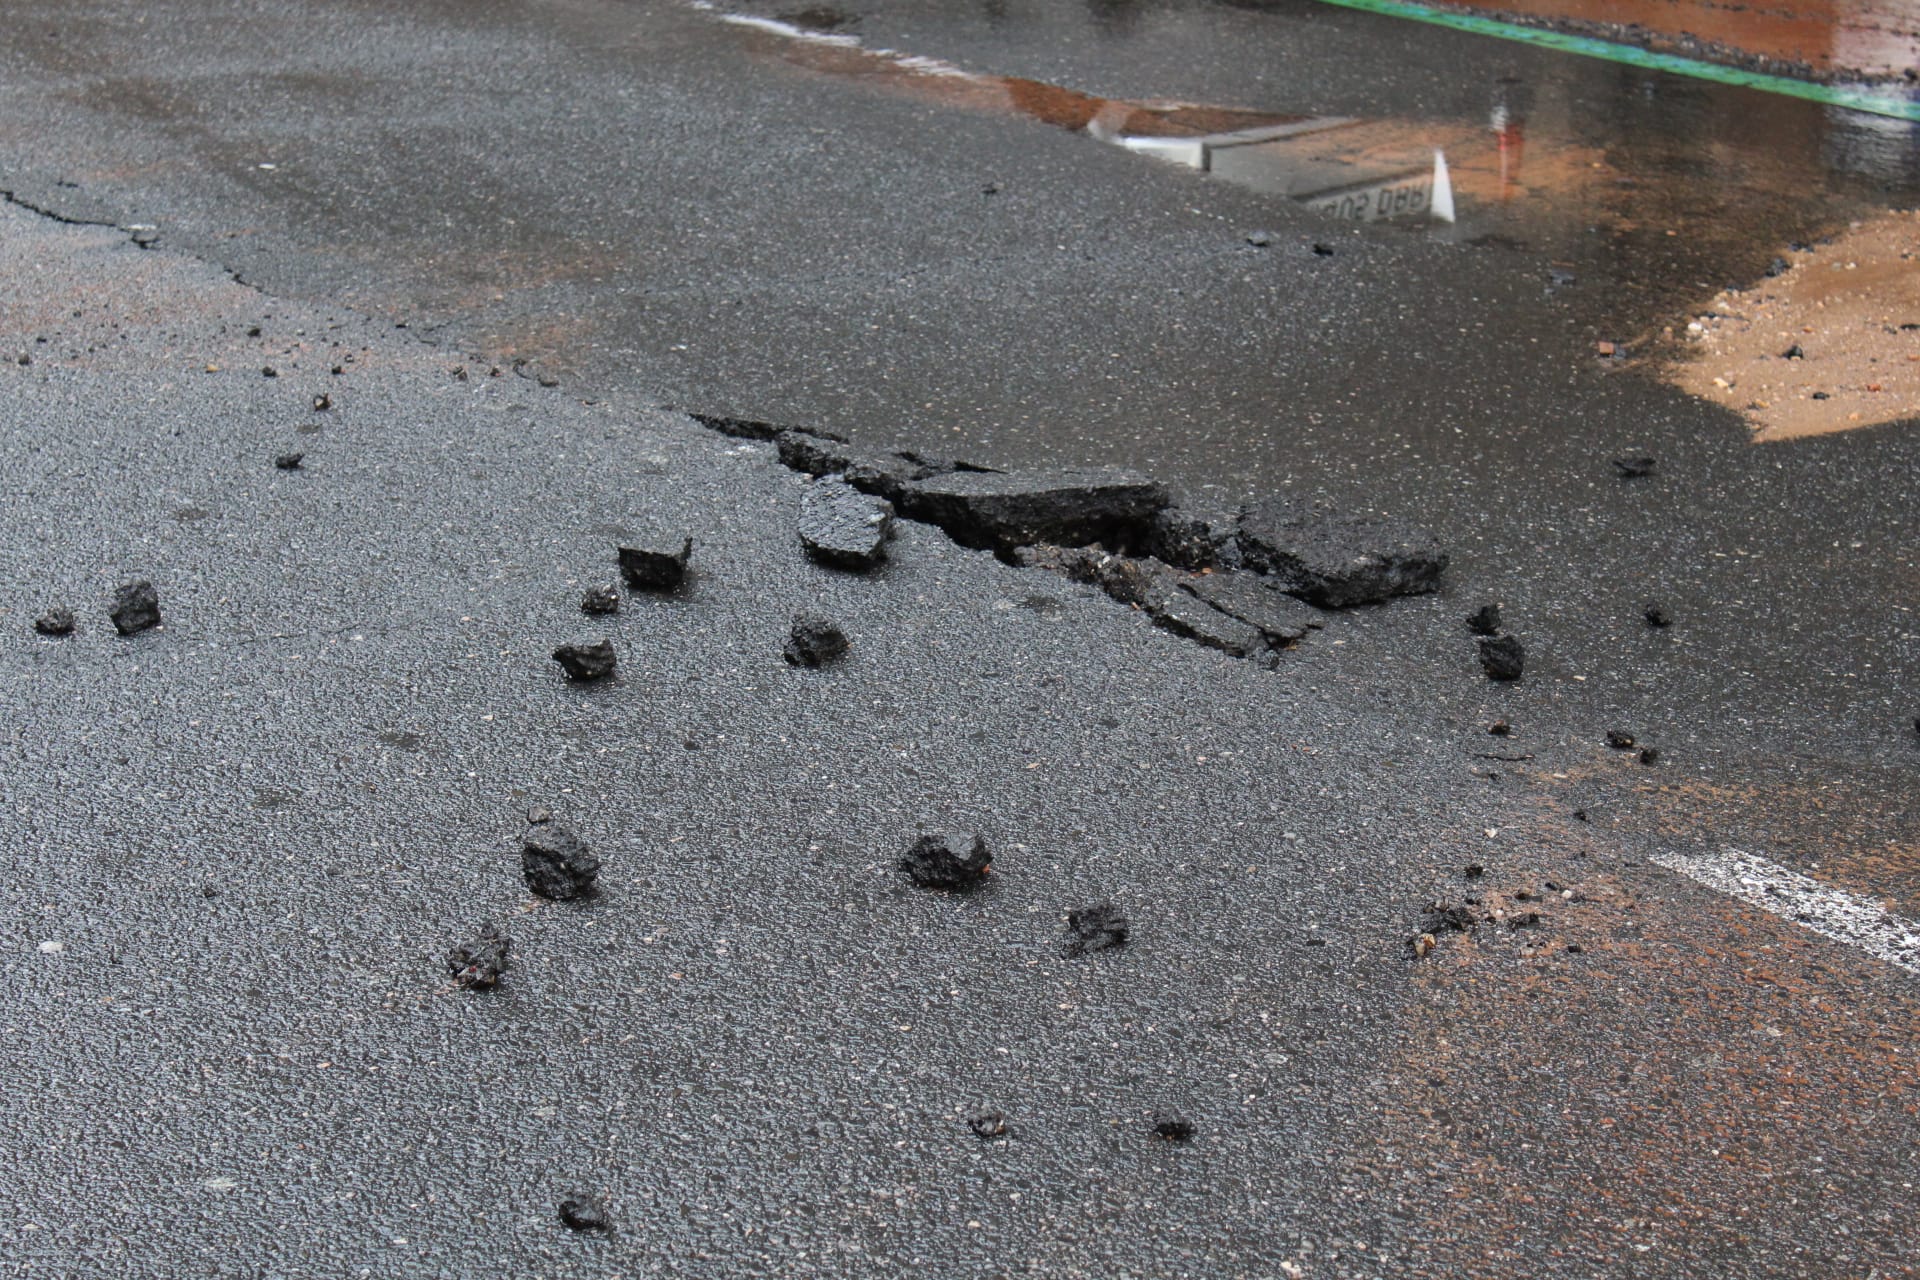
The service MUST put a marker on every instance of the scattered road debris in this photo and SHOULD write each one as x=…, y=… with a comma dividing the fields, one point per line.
x=1485, y=621
x=557, y=864
x=1171, y=1126
x=947, y=861
x=1096, y=928
x=1619, y=740
x=657, y=566
x=136, y=607
x=814, y=640
x=480, y=963
x=1657, y=616
x=987, y=1124
x=1502, y=657
x=57, y=621
x=583, y=1212
x=587, y=660
x=288, y=461
x=604, y=598
x=1636, y=467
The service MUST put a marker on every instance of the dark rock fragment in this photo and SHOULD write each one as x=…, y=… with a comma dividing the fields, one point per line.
x=57, y=621
x=1443, y=918
x=1485, y=621
x=1096, y=928
x=604, y=598
x=557, y=863
x=659, y=566
x=136, y=606
x=999, y=512
x=1633, y=468
x=269, y=372
x=1793, y=353
x=1503, y=657
x=1323, y=250
x=288, y=461
x=1657, y=616
x=583, y=1212
x=814, y=640
x=1619, y=740
x=1259, y=239
x=1171, y=1126
x=948, y=861
x=481, y=962
x=1256, y=601
x=1500, y=729
x=1649, y=755
x=584, y=661
x=844, y=528
x=1475, y=871
x=322, y=402
x=987, y=1124
x=1821, y=395
x=1335, y=562
x=874, y=471
x=1778, y=267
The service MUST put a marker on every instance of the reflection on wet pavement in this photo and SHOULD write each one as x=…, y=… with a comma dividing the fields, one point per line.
x=1641, y=222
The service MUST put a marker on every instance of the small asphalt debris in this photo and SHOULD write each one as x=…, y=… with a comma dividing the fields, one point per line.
x=1526, y=920
x=322, y=402
x=947, y=861
x=1657, y=615
x=1649, y=755
x=57, y=621
x=1335, y=561
x=842, y=527
x=1633, y=468
x=1793, y=353
x=604, y=598
x=1619, y=740
x=1820, y=395
x=814, y=640
x=481, y=962
x=269, y=372
x=656, y=567
x=1485, y=621
x=288, y=461
x=556, y=863
x=1171, y=1126
x=1580, y=815
x=1448, y=918
x=538, y=814
x=987, y=1124
x=587, y=661
x=1474, y=871
x=1503, y=657
x=1259, y=239
x=583, y=1212
x=1500, y=729
x=136, y=607
x=1096, y=928
x=1323, y=250
x=1778, y=267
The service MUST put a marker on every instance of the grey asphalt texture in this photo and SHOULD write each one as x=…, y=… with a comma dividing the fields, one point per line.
x=256, y=831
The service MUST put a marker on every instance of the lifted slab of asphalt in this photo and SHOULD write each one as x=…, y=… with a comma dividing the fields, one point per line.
x=242, y=844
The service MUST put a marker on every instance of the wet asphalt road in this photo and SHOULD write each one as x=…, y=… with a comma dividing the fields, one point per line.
x=255, y=832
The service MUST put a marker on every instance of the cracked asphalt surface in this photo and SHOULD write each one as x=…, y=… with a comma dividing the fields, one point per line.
x=254, y=833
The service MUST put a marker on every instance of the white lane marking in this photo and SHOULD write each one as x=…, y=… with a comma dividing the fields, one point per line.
x=1834, y=913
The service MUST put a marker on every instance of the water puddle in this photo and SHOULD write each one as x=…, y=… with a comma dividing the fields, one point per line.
x=1642, y=204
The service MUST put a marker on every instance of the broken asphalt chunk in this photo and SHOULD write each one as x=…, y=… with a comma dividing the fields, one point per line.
x=1259, y=603
x=481, y=962
x=658, y=566
x=1334, y=561
x=1189, y=616
x=1649, y=755
x=987, y=1124
x=947, y=861
x=136, y=607
x=582, y=1212
x=1619, y=740
x=556, y=863
x=999, y=512
x=814, y=640
x=1171, y=1126
x=1503, y=657
x=1657, y=616
x=1633, y=468
x=1096, y=928
x=57, y=621
x=587, y=661
x=1445, y=918
x=1194, y=536
x=604, y=598
x=842, y=527
x=288, y=461
x=1485, y=621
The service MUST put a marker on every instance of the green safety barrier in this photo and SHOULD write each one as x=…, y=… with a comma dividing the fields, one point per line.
x=1852, y=97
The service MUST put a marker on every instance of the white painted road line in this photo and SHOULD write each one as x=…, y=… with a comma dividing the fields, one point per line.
x=1835, y=913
